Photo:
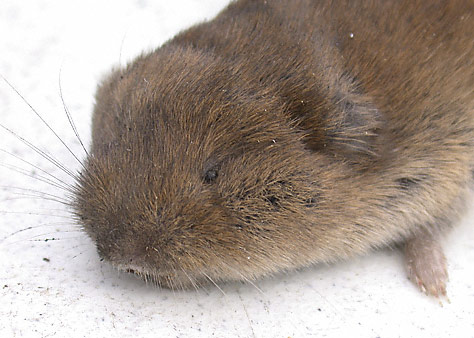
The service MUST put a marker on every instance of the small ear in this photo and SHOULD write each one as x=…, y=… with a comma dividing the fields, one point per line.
x=353, y=128
x=341, y=121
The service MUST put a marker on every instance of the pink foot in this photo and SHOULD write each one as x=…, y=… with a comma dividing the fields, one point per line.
x=426, y=264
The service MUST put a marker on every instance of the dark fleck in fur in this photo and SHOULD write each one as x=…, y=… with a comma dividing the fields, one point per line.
x=282, y=134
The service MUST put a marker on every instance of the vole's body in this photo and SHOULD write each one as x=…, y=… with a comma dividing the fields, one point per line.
x=282, y=134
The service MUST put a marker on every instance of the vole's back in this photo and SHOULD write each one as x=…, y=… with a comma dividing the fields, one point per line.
x=286, y=133
x=411, y=58
x=385, y=86
x=388, y=86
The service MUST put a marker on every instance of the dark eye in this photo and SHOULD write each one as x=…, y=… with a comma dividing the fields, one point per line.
x=211, y=175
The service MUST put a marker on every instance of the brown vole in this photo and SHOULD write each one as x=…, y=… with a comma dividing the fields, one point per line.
x=282, y=134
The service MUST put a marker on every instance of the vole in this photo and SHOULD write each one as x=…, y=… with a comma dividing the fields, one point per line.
x=282, y=134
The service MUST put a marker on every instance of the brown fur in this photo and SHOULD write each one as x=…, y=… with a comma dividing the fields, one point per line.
x=282, y=134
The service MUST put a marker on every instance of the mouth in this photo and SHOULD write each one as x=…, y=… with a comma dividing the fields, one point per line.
x=167, y=280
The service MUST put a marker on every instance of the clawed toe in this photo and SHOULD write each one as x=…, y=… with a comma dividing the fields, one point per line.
x=426, y=264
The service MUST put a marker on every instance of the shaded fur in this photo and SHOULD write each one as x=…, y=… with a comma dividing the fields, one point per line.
x=283, y=134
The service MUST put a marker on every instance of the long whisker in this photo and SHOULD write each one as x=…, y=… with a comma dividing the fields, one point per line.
x=69, y=116
x=170, y=283
x=42, y=120
x=35, y=197
x=55, y=233
x=190, y=279
x=36, y=167
x=246, y=279
x=246, y=313
x=215, y=284
x=75, y=247
x=43, y=225
x=33, y=213
x=38, y=238
x=36, y=193
x=40, y=152
x=121, y=48
x=37, y=177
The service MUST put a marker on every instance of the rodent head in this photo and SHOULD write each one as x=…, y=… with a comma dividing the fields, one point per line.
x=195, y=175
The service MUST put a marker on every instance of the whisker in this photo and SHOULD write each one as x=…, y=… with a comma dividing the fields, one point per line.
x=246, y=313
x=31, y=240
x=43, y=234
x=75, y=249
x=38, y=194
x=33, y=213
x=40, y=178
x=190, y=279
x=215, y=284
x=58, y=232
x=69, y=116
x=181, y=285
x=44, y=225
x=121, y=48
x=49, y=239
x=35, y=194
x=37, y=167
x=170, y=282
x=40, y=152
x=33, y=197
x=68, y=213
x=246, y=279
x=161, y=283
x=42, y=120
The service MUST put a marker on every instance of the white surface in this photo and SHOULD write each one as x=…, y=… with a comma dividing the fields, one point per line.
x=76, y=295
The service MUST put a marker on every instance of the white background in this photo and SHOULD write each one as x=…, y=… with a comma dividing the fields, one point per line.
x=52, y=283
